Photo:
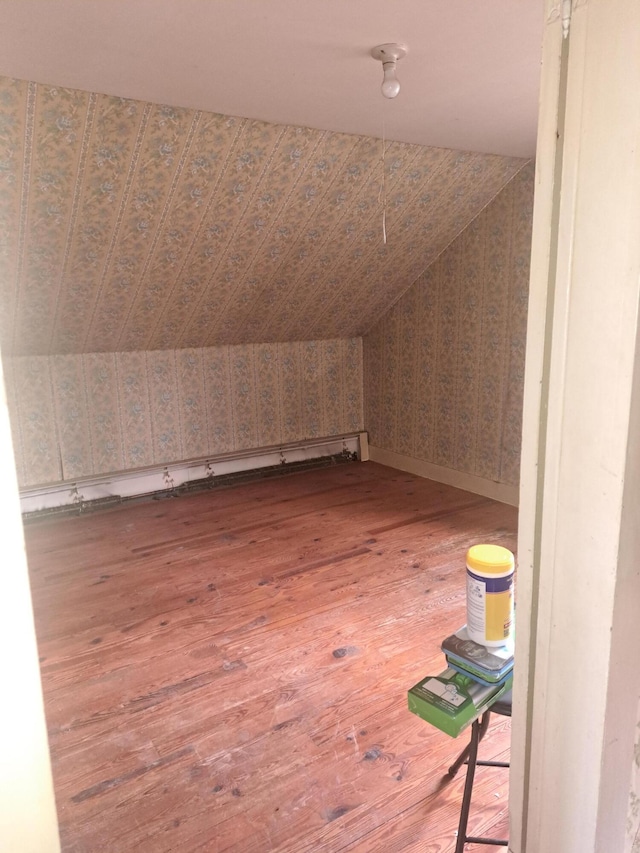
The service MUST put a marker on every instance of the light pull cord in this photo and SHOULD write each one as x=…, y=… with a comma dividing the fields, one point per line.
x=383, y=183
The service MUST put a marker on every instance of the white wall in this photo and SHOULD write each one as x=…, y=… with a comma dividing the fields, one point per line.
x=578, y=646
x=28, y=822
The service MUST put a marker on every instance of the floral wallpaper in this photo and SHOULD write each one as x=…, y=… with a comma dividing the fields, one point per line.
x=444, y=368
x=80, y=415
x=130, y=226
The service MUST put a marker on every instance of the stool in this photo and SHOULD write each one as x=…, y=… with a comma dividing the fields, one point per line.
x=469, y=756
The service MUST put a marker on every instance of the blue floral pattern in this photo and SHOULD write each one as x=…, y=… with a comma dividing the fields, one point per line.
x=75, y=416
x=144, y=227
x=444, y=369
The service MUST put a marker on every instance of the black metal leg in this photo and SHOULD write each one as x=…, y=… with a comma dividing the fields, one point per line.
x=468, y=785
x=469, y=755
x=464, y=755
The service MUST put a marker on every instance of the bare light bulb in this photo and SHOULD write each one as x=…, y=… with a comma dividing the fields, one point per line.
x=388, y=55
x=390, y=83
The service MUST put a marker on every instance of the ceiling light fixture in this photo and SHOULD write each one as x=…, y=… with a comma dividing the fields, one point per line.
x=388, y=55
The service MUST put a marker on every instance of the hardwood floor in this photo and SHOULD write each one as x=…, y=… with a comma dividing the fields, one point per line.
x=227, y=671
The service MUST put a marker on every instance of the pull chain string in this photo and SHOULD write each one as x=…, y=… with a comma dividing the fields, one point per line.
x=383, y=185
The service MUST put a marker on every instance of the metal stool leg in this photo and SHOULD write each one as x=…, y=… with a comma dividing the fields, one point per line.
x=470, y=756
x=468, y=784
x=464, y=755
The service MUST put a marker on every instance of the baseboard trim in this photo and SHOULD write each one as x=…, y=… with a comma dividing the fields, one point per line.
x=470, y=483
x=162, y=478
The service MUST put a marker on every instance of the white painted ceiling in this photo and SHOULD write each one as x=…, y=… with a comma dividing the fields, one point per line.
x=470, y=80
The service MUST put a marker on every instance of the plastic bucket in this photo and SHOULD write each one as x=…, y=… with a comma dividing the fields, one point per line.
x=489, y=594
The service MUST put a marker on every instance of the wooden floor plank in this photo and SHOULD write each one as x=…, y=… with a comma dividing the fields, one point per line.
x=227, y=671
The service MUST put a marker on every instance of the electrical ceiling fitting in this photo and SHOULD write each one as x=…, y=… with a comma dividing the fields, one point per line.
x=388, y=55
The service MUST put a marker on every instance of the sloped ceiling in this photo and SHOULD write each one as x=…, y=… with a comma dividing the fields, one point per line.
x=127, y=225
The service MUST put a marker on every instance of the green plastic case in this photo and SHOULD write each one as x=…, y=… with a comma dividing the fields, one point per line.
x=451, y=701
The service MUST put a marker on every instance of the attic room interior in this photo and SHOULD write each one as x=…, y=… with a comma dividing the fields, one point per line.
x=277, y=350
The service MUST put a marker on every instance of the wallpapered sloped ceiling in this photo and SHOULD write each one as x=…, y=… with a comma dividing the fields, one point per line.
x=131, y=226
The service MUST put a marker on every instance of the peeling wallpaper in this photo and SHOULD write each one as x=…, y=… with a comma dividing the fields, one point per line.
x=132, y=226
x=444, y=369
x=76, y=416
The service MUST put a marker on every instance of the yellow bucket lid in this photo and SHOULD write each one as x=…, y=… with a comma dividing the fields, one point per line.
x=489, y=558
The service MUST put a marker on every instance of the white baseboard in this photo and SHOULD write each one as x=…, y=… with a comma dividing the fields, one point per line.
x=470, y=483
x=162, y=477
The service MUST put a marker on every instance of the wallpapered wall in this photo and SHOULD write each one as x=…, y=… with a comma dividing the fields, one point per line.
x=127, y=225
x=444, y=369
x=82, y=415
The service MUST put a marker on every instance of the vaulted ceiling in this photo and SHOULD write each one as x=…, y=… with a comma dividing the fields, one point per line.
x=128, y=225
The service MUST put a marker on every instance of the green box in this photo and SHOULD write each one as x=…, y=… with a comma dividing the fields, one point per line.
x=451, y=701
